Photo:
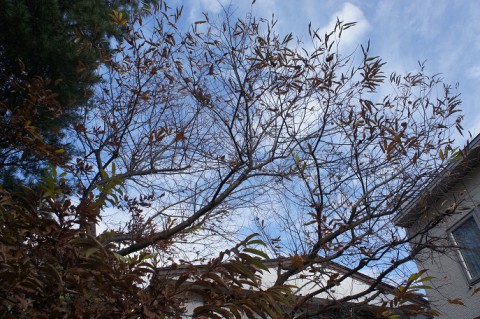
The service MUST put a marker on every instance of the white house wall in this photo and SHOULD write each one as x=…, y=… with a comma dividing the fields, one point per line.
x=450, y=281
x=347, y=287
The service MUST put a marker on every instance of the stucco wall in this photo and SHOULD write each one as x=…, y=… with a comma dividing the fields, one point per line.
x=348, y=287
x=450, y=279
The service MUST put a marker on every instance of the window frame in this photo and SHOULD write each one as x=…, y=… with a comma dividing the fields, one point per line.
x=475, y=214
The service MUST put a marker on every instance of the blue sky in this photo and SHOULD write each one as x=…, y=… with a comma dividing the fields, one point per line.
x=446, y=34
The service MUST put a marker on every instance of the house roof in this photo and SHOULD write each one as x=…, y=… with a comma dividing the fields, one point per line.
x=285, y=262
x=440, y=184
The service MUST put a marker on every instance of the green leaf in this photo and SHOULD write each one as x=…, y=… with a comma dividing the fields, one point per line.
x=247, y=240
x=415, y=276
x=90, y=251
x=256, y=242
x=256, y=252
x=120, y=257
x=420, y=287
x=103, y=173
x=427, y=278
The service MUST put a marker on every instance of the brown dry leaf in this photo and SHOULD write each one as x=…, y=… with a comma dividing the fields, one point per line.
x=456, y=301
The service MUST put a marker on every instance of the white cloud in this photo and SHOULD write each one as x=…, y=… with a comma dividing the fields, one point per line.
x=213, y=6
x=474, y=72
x=349, y=13
x=262, y=8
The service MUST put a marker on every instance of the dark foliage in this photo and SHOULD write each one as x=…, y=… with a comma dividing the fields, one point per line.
x=63, y=43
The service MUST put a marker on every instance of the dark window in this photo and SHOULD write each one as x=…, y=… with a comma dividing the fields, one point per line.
x=467, y=237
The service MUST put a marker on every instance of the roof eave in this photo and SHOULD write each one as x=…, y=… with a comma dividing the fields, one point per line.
x=441, y=184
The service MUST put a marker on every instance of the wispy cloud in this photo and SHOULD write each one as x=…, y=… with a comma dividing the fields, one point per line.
x=444, y=33
x=474, y=72
x=349, y=13
x=212, y=7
